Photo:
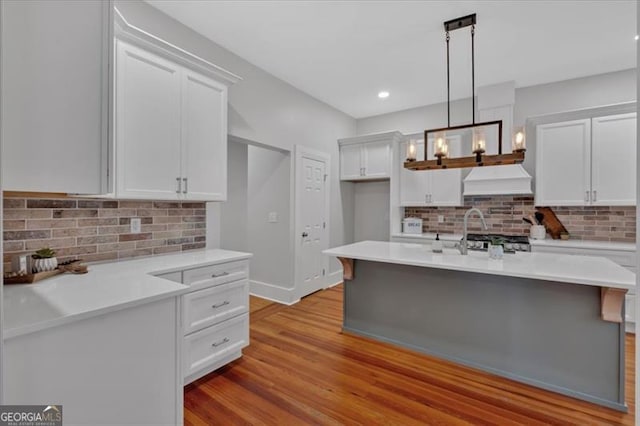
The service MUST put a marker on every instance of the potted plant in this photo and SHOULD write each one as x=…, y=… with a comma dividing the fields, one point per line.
x=44, y=260
x=496, y=248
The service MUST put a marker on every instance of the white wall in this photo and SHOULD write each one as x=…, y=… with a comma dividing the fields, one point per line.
x=269, y=192
x=580, y=93
x=371, y=211
x=265, y=109
x=234, y=213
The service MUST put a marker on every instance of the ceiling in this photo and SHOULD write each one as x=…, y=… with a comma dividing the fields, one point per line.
x=345, y=52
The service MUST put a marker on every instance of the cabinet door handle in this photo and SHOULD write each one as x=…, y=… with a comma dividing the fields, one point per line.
x=186, y=183
x=364, y=171
x=223, y=274
x=219, y=305
x=220, y=342
x=595, y=195
x=586, y=196
x=179, y=190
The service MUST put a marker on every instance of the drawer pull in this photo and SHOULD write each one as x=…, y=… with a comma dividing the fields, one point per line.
x=224, y=274
x=221, y=342
x=219, y=305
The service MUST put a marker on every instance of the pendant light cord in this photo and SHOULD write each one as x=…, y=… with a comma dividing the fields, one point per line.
x=448, y=86
x=473, y=76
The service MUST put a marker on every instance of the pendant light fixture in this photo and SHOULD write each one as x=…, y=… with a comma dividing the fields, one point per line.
x=479, y=131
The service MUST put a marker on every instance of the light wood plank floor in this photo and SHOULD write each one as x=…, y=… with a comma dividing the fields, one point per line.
x=300, y=369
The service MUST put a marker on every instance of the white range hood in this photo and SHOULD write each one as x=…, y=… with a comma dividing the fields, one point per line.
x=498, y=180
x=496, y=103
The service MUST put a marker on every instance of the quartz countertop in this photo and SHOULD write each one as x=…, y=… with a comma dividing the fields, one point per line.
x=585, y=244
x=428, y=236
x=106, y=288
x=586, y=270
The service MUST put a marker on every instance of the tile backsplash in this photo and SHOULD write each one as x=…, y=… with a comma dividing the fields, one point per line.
x=504, y=216
x=95, y=230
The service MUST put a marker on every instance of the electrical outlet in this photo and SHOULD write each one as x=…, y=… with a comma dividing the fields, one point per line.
x=273, y=217
x=136, y=224
x=440, y=218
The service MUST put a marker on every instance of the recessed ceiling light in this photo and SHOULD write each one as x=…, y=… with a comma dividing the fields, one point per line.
x=637, y=37
x=384, y=94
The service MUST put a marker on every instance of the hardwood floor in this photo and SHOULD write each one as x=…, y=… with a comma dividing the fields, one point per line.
x=300, y=369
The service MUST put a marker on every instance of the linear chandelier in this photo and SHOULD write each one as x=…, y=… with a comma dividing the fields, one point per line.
x=442, y=159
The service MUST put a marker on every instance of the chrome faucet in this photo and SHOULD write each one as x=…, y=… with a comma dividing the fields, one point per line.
x=462, y=246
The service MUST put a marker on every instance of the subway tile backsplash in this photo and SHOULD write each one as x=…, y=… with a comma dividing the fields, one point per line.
x=95, y=230
x=504, y=216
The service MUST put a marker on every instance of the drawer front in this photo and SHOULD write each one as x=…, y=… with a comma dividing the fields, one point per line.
x=212, y=305
x=172, y=276
x=222, y=273
x=206, y=347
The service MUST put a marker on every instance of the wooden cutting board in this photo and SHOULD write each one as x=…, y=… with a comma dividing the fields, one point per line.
x=554, y=227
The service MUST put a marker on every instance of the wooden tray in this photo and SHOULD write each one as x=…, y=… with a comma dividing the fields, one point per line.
x=73, y=267
x=32, y=278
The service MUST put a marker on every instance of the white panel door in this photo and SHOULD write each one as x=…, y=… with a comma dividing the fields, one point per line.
x=314, y=234
x=563, y=163
x=147, y=125
x=613, y=161
x=351, y=162
x=55, y=100
x=445, y=186
x=414, y=185
x=376, y=159
x=204, y=137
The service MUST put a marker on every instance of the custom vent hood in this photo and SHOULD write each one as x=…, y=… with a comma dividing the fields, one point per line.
x=496, y=103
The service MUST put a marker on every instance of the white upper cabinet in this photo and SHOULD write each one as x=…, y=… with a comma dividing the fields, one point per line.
x=376, y=159
x=613, y=161
x=55, y=100
x=171, y=120
x=433, y=187
x=587, y=162
x=148, y=125
x=350, y=162
x=367, y=157
x=563, y=163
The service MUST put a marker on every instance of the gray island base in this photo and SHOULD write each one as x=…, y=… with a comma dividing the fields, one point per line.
x=544, y=333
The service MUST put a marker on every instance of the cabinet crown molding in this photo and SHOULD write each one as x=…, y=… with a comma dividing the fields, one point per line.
x=377, y=137
x=126, y=31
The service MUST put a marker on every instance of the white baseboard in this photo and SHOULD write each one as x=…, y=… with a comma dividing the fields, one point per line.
x=334, y=278
x=272, y=292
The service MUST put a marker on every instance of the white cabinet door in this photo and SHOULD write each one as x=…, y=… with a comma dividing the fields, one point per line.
x=414, y=185
x=563, y=163
x=614, y=160
x=148, y=153
x=350, y=162
x=445, y=186
x=55, y=100
x=376, y=159
x=204, y=136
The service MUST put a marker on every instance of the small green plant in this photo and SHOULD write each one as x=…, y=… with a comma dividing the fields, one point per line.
x=44, y=253
x=497, y=241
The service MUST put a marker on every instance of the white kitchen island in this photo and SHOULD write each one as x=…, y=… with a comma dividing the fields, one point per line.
x=110, y=346
x=548, y=320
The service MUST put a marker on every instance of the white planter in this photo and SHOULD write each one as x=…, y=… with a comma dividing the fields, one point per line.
x=496, y=252
x=43, y=265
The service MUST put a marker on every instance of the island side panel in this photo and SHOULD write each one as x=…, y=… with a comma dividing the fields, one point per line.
x=547, y=334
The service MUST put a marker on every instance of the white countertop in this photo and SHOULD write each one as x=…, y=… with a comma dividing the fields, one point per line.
x=585, y=244
x=580, y=244
x=587, y=270
x=106, y=288
x=429, y=236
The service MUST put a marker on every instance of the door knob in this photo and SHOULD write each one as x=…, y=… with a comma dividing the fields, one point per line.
x=305, y=235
